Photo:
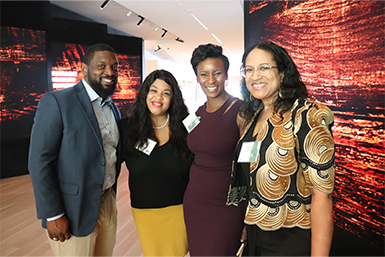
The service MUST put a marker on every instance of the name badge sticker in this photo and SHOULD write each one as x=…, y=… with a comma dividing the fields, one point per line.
x=150, y=146
x=191, y=121
x=249, y=151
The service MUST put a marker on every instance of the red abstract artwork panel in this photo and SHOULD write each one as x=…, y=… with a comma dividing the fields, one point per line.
x=23, y=72
x=66, y=71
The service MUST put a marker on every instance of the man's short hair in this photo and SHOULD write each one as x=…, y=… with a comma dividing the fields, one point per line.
x=90, y=52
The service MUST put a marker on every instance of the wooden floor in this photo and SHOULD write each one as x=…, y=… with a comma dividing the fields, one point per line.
x=22, y=235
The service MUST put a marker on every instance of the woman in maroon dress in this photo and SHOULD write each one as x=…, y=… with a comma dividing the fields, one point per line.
x=213, y=229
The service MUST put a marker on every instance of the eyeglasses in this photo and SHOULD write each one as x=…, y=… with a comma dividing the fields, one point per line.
x=262, y=70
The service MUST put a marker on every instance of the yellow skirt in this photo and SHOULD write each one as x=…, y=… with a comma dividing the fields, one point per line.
x=162, y=231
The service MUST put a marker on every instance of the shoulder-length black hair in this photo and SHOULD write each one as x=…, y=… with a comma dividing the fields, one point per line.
x=291, y=88
x=140, y=126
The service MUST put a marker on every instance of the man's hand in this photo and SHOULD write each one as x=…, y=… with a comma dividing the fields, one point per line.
x=58, y=229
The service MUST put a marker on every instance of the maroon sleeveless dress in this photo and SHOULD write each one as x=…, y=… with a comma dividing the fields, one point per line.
x=213, y=228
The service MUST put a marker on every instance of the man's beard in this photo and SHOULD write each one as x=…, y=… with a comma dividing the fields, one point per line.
x=103, y=91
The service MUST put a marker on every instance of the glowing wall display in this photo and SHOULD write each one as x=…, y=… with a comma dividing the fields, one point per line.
x=23, y=72
x=66, y=72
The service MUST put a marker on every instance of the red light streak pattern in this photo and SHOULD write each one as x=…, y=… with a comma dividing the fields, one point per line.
x=255, y=6
x=128, y=83
x=22, y=55
x=129, y=77
x=339, y=49
x=68, y=58
x=24, y=66
x=25, y=45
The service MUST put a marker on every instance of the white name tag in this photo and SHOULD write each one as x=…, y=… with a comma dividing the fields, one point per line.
x=150, y=146
x=191, y=121
x=249, y=151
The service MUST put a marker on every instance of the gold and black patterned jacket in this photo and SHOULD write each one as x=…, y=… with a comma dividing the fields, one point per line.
x=296, y=153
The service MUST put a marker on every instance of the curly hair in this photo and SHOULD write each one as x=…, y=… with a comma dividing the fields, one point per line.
x=140, y=123
x=90, y=52
x=203, y=52
x=291, y=88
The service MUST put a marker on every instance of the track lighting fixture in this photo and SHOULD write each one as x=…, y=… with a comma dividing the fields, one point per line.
x=179, y=40
x=104, y=4
x=141, y=20
x=164, y=33
x=157, y=48
x=129, y=13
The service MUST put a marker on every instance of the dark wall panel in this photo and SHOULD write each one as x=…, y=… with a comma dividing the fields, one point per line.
x=75, y=31
x=25, y=14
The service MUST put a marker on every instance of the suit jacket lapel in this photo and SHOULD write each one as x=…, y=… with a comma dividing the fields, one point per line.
x=116, y=112
x=118, y=118
x=85, y=105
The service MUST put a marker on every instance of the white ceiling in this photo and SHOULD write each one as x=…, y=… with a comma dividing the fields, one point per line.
x=223, y=18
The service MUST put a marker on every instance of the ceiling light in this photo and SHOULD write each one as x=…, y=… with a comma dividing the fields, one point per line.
x=164, y=33
x=179, y=40
x=141, y=20
x=156, y=28
x=157, y=48
x=129, y=13
x=228, y=50
x=199, y=21
x=220, y=42
x=104, y=4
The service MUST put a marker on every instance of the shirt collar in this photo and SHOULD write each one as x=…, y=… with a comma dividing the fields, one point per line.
x=93, y=95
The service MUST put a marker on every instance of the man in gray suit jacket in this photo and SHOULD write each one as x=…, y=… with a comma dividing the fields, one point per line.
x=74, y=159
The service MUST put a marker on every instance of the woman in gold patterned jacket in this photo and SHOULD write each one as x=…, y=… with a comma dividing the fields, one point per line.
x=284, y=162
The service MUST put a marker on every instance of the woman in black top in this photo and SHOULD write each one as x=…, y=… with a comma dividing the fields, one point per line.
x=158, y=160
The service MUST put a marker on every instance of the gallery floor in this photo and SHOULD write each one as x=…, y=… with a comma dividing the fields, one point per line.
x=22, y=235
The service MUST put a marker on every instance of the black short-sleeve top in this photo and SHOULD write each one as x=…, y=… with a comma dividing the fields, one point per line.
x=157, y=180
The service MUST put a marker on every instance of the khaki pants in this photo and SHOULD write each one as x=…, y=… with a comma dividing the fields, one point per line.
x=101, y=241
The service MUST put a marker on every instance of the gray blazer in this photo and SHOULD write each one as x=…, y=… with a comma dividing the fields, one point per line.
x=66, y=159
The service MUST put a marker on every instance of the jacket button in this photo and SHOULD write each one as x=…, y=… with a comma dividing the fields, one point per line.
x=103, y=164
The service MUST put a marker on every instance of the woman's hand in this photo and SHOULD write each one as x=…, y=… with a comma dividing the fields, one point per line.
x=244, y=235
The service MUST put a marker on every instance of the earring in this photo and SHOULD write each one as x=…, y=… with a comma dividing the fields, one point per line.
x=280, y=93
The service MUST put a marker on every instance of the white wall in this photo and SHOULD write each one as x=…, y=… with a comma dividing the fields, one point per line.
x=184, y=74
